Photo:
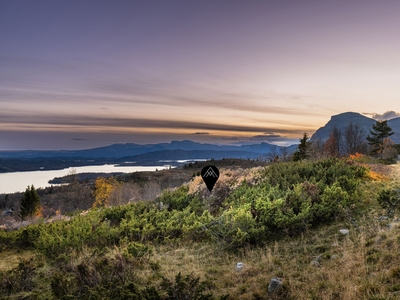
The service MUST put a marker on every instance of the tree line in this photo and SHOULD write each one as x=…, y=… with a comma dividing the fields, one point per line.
x=349, y=141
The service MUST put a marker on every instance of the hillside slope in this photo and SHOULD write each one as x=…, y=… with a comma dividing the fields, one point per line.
x=190, y=241
x=342, y=120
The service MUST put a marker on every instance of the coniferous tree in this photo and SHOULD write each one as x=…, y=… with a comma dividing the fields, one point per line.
x=30, y=202
x=380, y=131
x=302, y=149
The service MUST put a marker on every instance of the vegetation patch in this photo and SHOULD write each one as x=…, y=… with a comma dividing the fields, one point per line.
x=283, y=221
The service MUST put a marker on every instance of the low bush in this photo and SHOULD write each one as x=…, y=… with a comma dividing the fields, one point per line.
x=287, y=198
x=290, y=198
x=389, y=200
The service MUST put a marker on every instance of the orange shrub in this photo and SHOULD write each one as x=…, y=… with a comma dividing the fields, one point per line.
x=377, y=176
x=356, y=156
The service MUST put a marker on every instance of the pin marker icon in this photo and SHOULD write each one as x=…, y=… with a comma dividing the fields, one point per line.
x=210, y=175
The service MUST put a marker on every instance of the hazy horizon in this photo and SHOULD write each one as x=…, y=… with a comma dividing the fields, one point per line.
x=85, y=74
x=156, y=143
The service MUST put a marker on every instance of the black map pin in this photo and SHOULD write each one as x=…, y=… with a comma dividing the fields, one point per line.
x=210, y=175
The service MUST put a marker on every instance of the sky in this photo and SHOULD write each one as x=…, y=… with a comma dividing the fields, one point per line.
x=80, y=74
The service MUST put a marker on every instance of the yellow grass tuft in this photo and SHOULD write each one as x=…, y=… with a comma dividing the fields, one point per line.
x=10, y=259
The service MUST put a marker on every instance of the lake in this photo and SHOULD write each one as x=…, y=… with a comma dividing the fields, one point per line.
x=18, y=181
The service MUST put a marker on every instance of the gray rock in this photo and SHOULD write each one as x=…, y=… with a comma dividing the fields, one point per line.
x=344, y=231
x=392, y=225
x=334, y=256
x=315, y=263
x=239, y=266
x=383, y=218
x=274, y=284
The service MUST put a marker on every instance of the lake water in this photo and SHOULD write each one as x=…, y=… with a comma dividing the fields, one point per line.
x=18, y=181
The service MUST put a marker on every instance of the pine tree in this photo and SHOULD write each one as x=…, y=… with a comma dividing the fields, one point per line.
x=302, y=149
x=380, y=131
x=30, y=203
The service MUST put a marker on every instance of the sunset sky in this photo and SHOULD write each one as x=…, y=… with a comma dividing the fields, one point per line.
x=81, y=74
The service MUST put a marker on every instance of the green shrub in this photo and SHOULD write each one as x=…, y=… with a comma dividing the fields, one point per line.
x=28, y=236
x=115, y=214
x=177, y=199
x=290, y=198
x=389, y=200
x=287, y=199
x=138, y=250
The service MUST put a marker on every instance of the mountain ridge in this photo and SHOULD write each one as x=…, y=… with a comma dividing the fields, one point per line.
x=343, y=119
x=117, y=151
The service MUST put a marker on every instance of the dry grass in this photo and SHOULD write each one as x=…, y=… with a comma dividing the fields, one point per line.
x=10, y=259
x=361, y=265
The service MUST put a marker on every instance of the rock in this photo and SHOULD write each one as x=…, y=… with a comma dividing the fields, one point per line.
x=383, y=218
x=239, y=266
x=334, y=256
x=344, y=231
x=8, y=212
x=315, y=263
x=274, y=284
x=393, y=225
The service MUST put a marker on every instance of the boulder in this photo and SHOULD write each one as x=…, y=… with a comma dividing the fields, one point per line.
x=274, y=284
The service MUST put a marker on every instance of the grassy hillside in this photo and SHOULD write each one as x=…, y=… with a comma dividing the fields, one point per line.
x=316, y=226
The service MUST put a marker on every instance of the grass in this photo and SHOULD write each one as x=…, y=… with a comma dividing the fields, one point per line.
x=361, y=265
x=10, y=259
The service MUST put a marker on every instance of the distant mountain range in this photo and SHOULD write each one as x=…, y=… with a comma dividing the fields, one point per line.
x=343, y=119
x=163, y=151
x=189, y=150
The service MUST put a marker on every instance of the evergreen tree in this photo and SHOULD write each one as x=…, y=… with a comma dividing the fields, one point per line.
x=30, y=202
x=380, y=131
x=302, y=149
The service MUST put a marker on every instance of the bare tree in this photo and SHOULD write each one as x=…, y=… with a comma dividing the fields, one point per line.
x=354, y=139
x=151, y=190
x=272, y=156
x=125, y=193
x=284, y=154
x=316, y=150
x=333, y=145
